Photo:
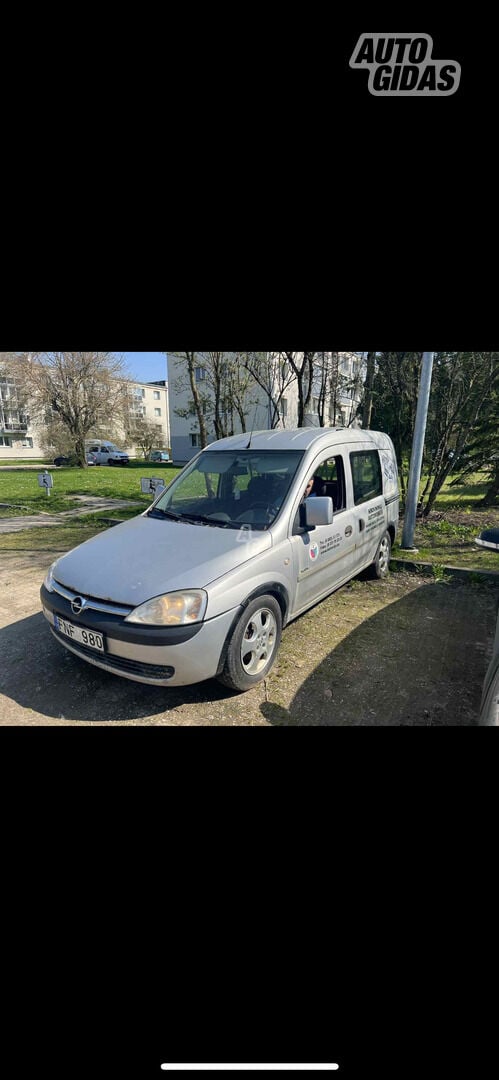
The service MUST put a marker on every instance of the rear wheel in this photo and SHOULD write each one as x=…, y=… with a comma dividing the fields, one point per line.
x=254, y=644
x=381, y=564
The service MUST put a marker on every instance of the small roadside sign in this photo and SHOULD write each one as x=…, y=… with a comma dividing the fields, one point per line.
x=45, y=480
x=152, y=485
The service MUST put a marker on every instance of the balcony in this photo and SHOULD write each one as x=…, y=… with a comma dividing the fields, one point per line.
x=13, y=425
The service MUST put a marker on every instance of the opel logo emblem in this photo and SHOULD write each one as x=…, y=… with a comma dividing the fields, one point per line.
x=77, y=605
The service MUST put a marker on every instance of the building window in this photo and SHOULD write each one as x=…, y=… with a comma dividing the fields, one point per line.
x=157, y=412
x=4, y=441
x=195, y=440
x=200, y=373
x=156, y=395
x=27, y=444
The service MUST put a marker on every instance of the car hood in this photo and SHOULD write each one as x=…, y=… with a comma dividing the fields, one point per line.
x=144, y=557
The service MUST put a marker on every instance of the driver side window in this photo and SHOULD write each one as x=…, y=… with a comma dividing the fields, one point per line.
x=332, y=474
x=328, y=480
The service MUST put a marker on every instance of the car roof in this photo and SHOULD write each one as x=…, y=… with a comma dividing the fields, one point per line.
x=299, y=439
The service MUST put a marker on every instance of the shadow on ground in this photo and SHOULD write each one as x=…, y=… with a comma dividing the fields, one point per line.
x=419, y=661
x=42, y=676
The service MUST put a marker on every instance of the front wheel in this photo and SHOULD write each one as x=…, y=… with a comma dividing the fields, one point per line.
x=381, y=564
x=254, y=644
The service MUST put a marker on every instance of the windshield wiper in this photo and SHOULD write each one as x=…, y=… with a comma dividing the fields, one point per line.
x=203, y=519
x=196, y=519
x=158, y=512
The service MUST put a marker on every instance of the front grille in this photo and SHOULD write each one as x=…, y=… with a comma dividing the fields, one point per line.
x=118, y=663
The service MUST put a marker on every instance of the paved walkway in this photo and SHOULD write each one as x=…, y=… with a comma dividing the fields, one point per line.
x=90, y=504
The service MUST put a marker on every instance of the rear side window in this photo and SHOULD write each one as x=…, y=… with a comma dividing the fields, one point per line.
x=366, y=475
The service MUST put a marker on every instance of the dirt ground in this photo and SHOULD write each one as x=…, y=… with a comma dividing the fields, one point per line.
x=407, y=651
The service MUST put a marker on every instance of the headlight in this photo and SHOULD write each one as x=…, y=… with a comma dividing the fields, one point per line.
x=172, y=609
x=49, y=580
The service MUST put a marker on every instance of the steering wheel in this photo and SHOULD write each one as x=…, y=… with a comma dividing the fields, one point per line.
x=262, y=505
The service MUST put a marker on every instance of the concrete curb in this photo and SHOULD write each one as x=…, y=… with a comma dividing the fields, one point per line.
x=415, y=567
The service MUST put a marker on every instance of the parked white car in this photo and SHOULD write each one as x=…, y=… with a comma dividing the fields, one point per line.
x=202, y=583
x=106, y=453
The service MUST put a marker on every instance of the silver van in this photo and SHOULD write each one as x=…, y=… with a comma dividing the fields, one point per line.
x=252, y=532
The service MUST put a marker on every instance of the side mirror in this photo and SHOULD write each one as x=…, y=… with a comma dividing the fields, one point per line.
x=319, y=511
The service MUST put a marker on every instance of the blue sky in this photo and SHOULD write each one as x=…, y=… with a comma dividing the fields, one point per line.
x=146, y=366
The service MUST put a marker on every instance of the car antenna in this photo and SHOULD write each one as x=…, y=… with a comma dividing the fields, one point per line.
x=252, y=429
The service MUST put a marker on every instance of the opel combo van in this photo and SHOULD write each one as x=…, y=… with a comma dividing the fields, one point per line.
x=252, y=532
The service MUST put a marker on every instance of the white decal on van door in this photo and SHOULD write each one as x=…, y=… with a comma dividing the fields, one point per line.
x=329, y=543
x=389, y=469
x=375, y=516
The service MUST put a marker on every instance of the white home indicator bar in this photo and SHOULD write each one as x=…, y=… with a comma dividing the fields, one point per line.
x=250, y=1068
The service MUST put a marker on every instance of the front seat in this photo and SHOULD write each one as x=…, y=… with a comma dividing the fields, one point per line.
x=258, y=490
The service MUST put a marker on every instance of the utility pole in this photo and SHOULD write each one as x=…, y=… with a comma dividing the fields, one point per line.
x=417, y=453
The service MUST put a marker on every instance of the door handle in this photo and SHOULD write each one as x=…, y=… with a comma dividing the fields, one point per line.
x=362, y=524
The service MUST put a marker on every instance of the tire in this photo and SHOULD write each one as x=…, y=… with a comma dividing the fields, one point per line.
x=254, y=644
x=381, y=564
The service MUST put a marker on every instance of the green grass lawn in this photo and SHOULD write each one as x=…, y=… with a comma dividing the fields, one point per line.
x=448, y=536
x=462, y=496
x=445, y=544
x=446, y=539
x=20, y=487
x=26, y=461
x=56, y=538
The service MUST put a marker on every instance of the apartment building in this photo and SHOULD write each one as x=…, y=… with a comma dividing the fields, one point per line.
x=15, y=432
x=258, y=409
x=149, y=401
x=22, y=437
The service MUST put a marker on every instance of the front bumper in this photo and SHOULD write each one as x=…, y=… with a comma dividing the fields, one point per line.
x=160, y=656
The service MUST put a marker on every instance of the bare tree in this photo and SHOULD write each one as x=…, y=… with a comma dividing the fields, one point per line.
x=221, y=389
x=274, y=376
x=367, y=405
x=79, y=389
x=145, y=434
x=302, y=365
x=322, y=386
x=230, y=385
x=186, y=364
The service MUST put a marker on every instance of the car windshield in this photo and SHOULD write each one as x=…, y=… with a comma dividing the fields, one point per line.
x=231, y=489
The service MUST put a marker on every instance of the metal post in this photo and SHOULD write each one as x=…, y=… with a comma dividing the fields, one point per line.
x=417, y=453
x=47, y=489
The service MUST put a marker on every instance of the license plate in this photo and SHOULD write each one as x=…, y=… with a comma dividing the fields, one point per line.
x=85, y=637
